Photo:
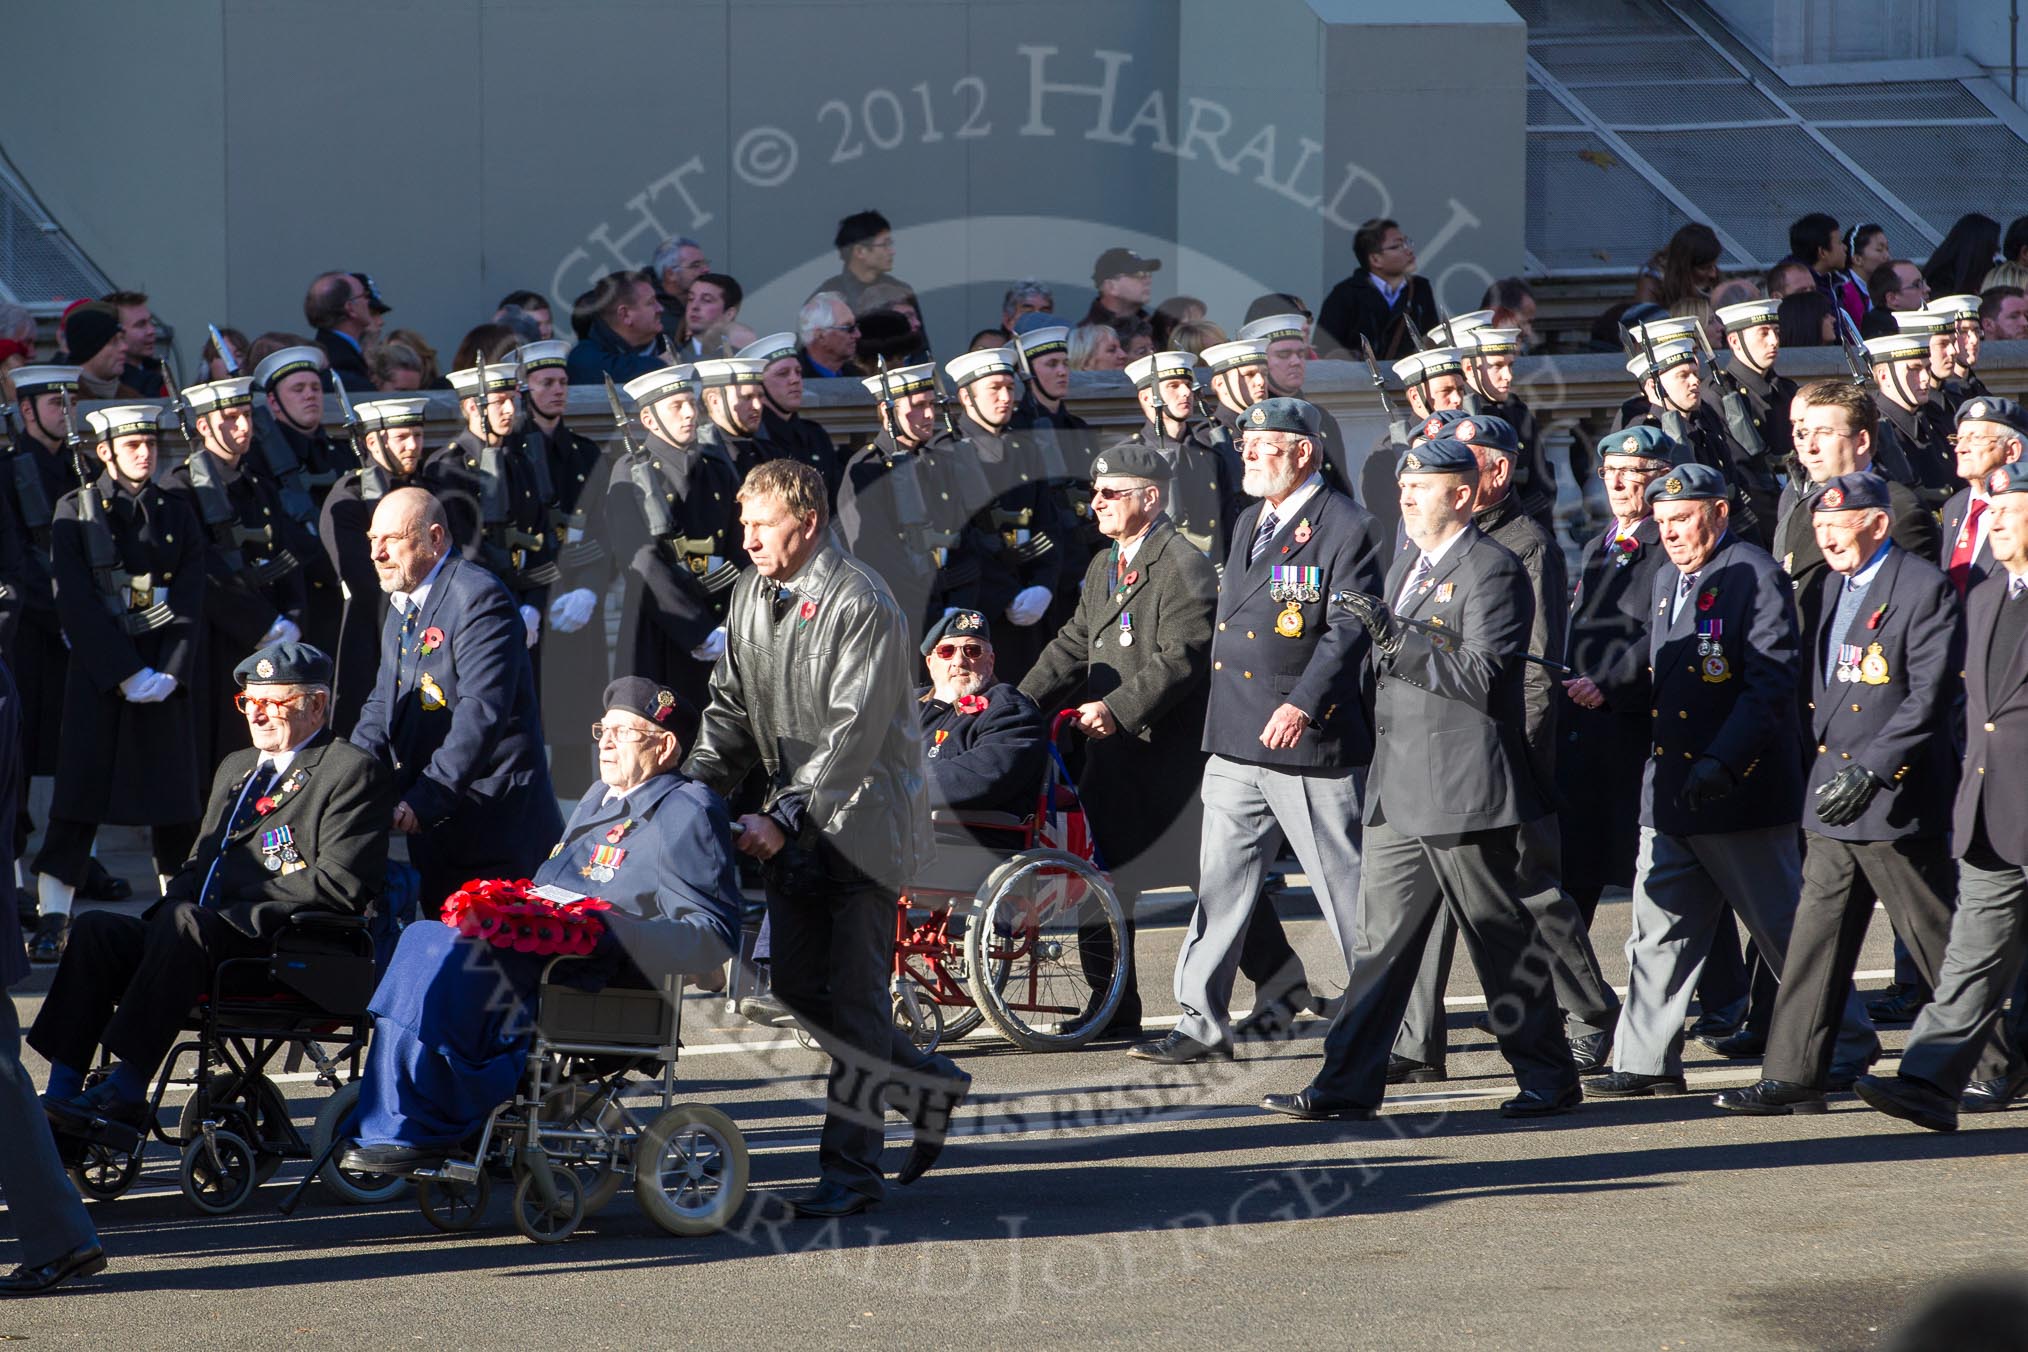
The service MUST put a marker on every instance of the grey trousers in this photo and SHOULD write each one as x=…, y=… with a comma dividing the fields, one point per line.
x=1681, y=884
x=1954, y=1029
x=1587, y=999
x=1404, y=882
x=1248, y=811
x=49, y=1217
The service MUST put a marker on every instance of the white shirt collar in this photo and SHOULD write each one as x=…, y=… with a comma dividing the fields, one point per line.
x=404, y=601
x=1436, y=555
x=1293, y=503
x=1133, y=547
x=1863, y=579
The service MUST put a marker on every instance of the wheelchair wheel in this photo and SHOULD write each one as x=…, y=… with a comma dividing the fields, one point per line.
x=919, y=1017
x=542, y=1222
x=600, y=1168
x=337, y=1119
x=1043, y=947
x=452, y=1206
x=103, y=1172
x=690, y=1170
x=219, y=1174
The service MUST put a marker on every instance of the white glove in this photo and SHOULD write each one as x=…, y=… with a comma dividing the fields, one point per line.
x=137, y=686
x=283, y=630
x=165, y=686
x=573, y=610
x=1028, y=605
x=531, y=619
x=713, y=646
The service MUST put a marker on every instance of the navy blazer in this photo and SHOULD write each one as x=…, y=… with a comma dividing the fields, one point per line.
x=13, y=955
x=1895, y=720
x=460, y=723
x=675, y=869
x=1321, y=669
x=1996, y=735
x=1448, y=751
x=991, y=760
x=1739, y=707
x=1954, y=512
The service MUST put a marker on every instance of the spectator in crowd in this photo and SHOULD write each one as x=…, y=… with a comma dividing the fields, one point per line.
x=1787, y=277
x=17, y=323
x=396, y=368
x=1964, y=257
x=1028, y=296
x=214, y=363
x=13, y=353
x=1866, y=248
x=376, y=308
x=99, y=350
x=1172, y=312
x=624, y=336
x=523, y=325
x=985, y=340
x=1137, y=338
x=2003, y=314
x=1815, y=242
x=829, y=336
x=269, y=343
x=2006, y=274
x=1124, y=280
x=143, y=373
x=489, y=340
x=1689, y=265
x=1193, y=336
x=712, y=316
x=1806, y=319
x=1096, y=347
x=533, y=304
x=432, y=372
x=1700, y=309
x=338, y=313
x=1381, y=301
x=1895, y=285
x=865, y=244
x=1512, y=302
x=676, y=264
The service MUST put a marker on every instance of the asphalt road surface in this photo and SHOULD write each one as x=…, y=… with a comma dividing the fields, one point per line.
x=1091, y=1199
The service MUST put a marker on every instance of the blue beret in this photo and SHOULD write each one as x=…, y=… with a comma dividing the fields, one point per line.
x=1477, y=430
x=1281, y=414
x=1441, y=456
x=655, y=702
x=1691, y=482
x=1131, y=460
x=2008, y=478
x=957, y=624
x=1851, y=493
x=1986, y=408
x=1642, y=440
x=285, y=664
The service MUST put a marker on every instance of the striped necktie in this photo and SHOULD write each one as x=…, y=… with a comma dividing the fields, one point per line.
x=1268, y=525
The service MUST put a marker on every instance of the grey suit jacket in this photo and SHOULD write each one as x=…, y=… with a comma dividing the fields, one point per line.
x=1449, y=755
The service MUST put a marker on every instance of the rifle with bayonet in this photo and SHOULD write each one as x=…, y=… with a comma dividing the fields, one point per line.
x=74, y=443
x=1856, y=364
x=354, y=434
x=1375, y=613
x=224, y=350
x=1397, y=425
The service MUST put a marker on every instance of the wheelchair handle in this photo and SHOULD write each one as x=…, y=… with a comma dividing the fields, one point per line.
x=1056, y=724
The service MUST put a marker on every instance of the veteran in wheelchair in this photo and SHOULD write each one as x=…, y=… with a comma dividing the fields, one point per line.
x=489, y=1054
x=294, y=840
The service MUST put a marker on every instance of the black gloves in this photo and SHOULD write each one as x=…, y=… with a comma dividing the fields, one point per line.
x=1707, y=782
x=1844, y=798
x=1374, y=614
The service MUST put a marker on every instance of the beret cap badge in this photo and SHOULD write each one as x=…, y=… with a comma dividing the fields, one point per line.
x=1674, y=485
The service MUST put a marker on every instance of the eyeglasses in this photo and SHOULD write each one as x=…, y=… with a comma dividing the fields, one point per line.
x=1625, y=473
x=1112, y=494
x=1403, y=243
x=624, y=736
x=853, y=327
x=971, y=652
x=246, y=703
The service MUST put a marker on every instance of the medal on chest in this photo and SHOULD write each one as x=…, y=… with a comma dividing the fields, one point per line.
x=1126, y=629
x=278, y=849
x=1713, y=665
x=1289, y=624
x=605, y=861
x=432, y=694
x=1848, y=662
x=1873, y=666
x=1294, y=582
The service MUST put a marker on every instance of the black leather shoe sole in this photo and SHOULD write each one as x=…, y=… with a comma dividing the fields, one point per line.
x=33, y=1281
x=825, y=1206
x=1528, y=1105
x=1884, y=1096
x=1315, y=1110
x=1752, y=1105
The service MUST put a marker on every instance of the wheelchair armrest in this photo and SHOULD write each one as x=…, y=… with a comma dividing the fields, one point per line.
x=326, y=920
x=1007, y=821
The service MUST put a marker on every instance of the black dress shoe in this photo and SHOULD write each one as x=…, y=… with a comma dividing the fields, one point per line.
x=99, y=885
x=1535, y=1103
x=391, y=1160
x=1274, y=1020
x=830, y=1201
x=766, y=1010
x=1839, y=1078
x=1909, y=1099
x=1312, y=1106
x=1772, y=1098
x=1592, y=1052
x=33, y=1279
x=1900, y=1005
x=1627, y=1084
x=1745, y=1045
x=932, y=1121
x=89, y=1114
x=1403, y=1070
x=46, y=945
x=1993, y=1096
x=1177, y=1049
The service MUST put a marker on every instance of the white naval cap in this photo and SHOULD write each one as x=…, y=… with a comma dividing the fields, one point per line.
x=278, y=366
x=656, y=386
x=1040, y=342
x=1417, y=367
x=548, y=352
x=1749, y=314
x=967, y=367
x=902, y=380
x=34, y=380
x=125, y=420
x=380, y=414
x=1904, y=346
x=770, y=349
x=1157, y=367
x=499, y=376
x=1459, y=326
x=1223, y=357
x=232, y=392
x=718, y=372
x=1274, y=328
x=1662, y=356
